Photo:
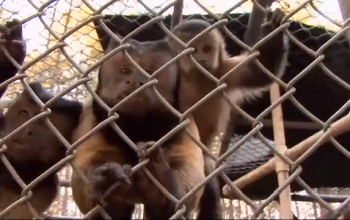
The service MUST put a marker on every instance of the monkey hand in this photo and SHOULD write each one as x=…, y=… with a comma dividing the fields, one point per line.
x=142, y=153
x=11, y=37
x=106, y=175
x=273, y=21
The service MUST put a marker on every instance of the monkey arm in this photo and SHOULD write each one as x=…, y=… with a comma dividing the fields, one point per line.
x=249, y=75
x=101, y=163
x=273, y=54
x=178, y=167
x=156, y=205
x=16, y=49
x=187, y=161
x=89, y=159
x=91, y=154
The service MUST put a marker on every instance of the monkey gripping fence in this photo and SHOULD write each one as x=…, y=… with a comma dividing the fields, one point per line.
x=286, y=159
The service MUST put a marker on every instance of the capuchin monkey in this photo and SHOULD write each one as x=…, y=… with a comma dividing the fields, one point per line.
x=246, y=82
x=106, y=158
x=10, y=32
x=34, y=149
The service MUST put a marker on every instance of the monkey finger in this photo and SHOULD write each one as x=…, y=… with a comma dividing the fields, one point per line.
x=141, y=150
x=4, y=29
x=127, y=169
x=127, y=180
x=268, y=15
x=108, y=172
x=96, y=194
x=103, y=177
x=97, y=185
x=277, y=17
x=116, y=172
x=96, y=177
x=156, y=154
x=14, y=25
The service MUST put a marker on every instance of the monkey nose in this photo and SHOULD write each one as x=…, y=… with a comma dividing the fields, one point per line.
x=203, y=62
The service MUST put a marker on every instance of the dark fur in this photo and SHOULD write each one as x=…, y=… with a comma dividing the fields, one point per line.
x=34, y=149
x=249, y=81
x=12, y=31
x=105, y=156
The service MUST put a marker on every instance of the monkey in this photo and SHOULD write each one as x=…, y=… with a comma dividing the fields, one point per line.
x=34, y=149
x=247, y=82
x=11, y=31
x=105, y=158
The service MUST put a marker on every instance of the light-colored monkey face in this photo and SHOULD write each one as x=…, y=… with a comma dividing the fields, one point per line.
x=35, y=142
x=206, y=52
x=119, y=77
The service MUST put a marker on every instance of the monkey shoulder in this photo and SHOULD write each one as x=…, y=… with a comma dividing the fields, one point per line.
x=94, y=147
x=185, y=150
x=44, y=192
x=192, y=26
x=186, y=157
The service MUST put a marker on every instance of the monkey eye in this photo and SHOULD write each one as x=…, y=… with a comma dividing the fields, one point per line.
x=207, y=48
x=23, y=113
x=125, y=71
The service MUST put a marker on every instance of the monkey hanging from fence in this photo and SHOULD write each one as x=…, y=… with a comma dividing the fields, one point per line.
x=34, y=149
x=105, y=157
x=210, y=53
x=248, y=81
x=12, y=39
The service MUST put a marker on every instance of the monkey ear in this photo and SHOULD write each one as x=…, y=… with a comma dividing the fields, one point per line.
x=24, y=94
x=103, y=37
x=110, y=21
x=43, y=94
x=112, y=44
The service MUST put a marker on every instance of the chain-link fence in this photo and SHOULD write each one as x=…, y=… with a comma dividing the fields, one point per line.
x=64, y=42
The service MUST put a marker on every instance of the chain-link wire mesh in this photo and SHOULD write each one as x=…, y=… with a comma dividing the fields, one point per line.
x=63, y=46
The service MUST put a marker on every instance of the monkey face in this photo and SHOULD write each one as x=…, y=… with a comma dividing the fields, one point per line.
x=35, y=142
x=118, y=78
x=206, y=51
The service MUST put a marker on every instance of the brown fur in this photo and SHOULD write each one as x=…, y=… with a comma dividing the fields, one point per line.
x=247, y=82
x=211, y=54
x=10, y=31
x=34, y=150
x=96, y=148
x=179, y=157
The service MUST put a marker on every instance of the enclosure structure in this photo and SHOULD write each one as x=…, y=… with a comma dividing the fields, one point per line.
x=313, y=89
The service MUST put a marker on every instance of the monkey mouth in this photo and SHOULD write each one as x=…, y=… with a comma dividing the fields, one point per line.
x=204, y=64
x=132, y=103
x=15, y=144
x=138, y=97
x=18, y=142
